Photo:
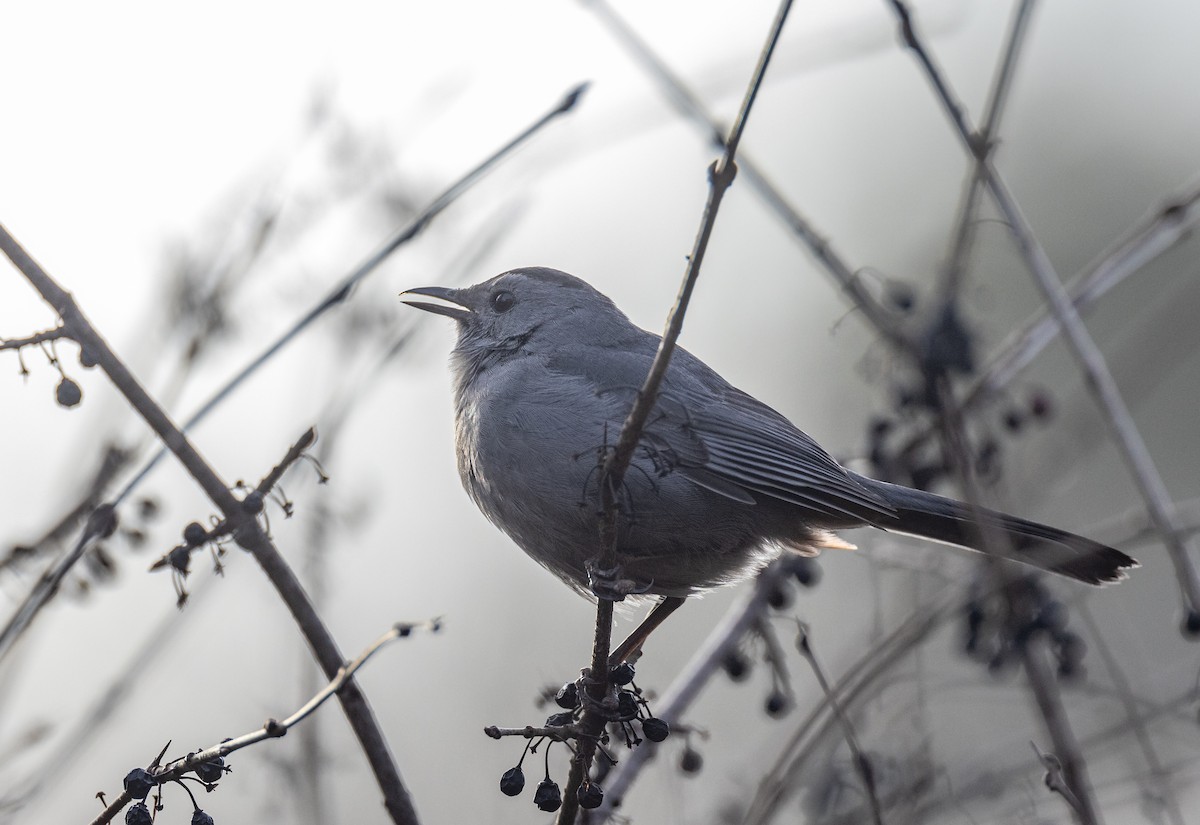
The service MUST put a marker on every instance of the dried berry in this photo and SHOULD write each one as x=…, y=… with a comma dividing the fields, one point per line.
x=900, y=295
x=1013, y=420
x=211, y=771
x=567, y=696
x=547, y=796
x=780, y=596
x=622, y=674
x=201, y=818
x=68, y=393
x=627, y=706
x=513, y=781
x=589, y=795
x=1191, y=624
x=777, y=704
x=557, y=720
x=180, y=559
x=194, y=535
x=253, y=502
x=808, y=571
x=138, y=814
x=655, y=729
x=736, y=665
x=138, y=783
x=690, y=761
x=1040, y=406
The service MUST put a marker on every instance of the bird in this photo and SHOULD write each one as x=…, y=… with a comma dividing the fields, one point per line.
x=545, y=369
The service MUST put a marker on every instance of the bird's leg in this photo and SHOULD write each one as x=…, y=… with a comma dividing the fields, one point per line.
x=609, y=583
x=633, y=643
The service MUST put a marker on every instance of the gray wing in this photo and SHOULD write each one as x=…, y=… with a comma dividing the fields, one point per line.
x=722, y=438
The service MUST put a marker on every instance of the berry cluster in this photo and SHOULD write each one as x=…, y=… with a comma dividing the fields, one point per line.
x=627, y=712
x=914, y=463
x=139, y=782
x=998, y=627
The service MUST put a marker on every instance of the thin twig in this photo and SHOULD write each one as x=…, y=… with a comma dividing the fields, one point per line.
x=1098, y=378
x=36, y=338
x=784, y=776
x=720, y=176
x=861, y=763
x=246, y=529
x=1158, y=773
x=694, y=110
x=272, y=728
x=964, y=233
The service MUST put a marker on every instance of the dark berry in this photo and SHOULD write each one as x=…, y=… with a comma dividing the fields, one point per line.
x=253, y=502
x=211, y=771
x=975, y=616
x=808, y=571
x=567, y=696
x=547, y=796
x=655, y=729
x=1191, y=624
x=622, y=674
x=138, y=783
x=900, y=295
x=627, y=706
x=736, y=665
x=180, y=559
x=1040, y=405
x=1071, y=648
x=690, y=761
x=201, y=818
x=1013, y=420
x=148, y=508
x=777, y=704
x=1053, y=615
x=68, y=393
x=87, y=358
x=590, y=795
x=194, y=535
x=557, y=720
x=513, y=781
x=138, y=814
x=926, y=476
x=780, y=596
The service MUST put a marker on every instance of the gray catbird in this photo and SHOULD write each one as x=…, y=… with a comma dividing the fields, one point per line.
x=545, y=371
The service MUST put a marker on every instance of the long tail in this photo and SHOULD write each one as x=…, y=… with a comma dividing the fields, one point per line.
x=1048, y=548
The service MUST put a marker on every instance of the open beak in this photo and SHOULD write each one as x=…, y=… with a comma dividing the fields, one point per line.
x=453, y=308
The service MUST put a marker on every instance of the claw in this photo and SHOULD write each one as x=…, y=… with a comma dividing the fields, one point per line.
x=608, y=583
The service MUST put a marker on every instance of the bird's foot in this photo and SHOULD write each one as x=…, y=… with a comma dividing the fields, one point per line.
x=609, y=583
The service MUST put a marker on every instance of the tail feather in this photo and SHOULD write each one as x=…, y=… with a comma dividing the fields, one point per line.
x=942, y=519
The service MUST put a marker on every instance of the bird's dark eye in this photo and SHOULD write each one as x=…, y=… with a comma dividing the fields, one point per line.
x=503, y=301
